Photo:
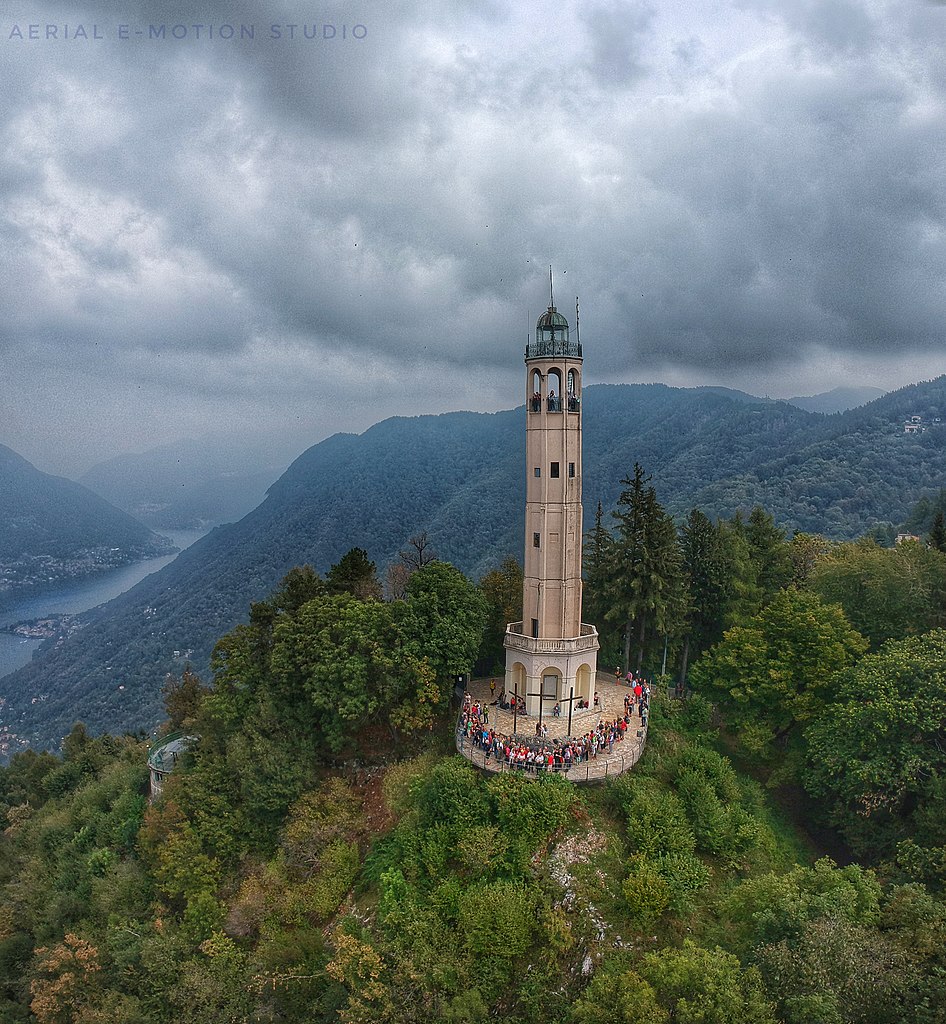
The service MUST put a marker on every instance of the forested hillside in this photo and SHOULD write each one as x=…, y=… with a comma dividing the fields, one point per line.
x=460, y=477
x=53, y=529
x=317, y=854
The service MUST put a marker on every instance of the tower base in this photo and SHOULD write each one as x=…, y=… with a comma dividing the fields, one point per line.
x=544, y=672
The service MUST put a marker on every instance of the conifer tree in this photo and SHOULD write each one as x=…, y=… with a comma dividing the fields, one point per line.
x=502, y=590
x=708, y=580
x=354, y=574
x=938, y=532
x=643, y=585
x=596, y=561
x=770, y=552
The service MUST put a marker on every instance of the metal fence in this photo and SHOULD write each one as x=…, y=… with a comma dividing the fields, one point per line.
x=596, y=769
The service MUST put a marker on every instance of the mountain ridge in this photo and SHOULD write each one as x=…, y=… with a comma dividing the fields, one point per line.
x=461, y=476
x=52, y=529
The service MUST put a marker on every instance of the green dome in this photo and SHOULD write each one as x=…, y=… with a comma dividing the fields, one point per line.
x=551, y=318
x=551, y=338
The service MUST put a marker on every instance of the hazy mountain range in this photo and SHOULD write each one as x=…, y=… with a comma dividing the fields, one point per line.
x=188, y=484
x=460, y=477
x=838, y=400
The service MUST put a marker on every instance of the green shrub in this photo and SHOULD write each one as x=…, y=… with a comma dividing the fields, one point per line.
x=339, y=866
x=452, y=794
x=686, y=876
x=656, y=819
x=497, y=921
x=646, y=890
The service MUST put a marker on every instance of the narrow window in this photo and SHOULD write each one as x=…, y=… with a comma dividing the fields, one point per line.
x=571, y=469
x=536, y=471
x=554, y=471
x=535, y=629
x=535, y=540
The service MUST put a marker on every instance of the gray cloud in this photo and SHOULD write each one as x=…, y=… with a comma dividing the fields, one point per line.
x=221, y=228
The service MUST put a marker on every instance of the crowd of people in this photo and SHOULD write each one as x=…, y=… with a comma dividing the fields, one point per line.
x=542, y=754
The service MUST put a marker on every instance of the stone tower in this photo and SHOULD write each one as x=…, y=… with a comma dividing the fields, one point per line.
x=552, y=655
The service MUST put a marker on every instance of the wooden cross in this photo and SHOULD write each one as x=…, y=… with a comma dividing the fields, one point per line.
x=570, y=701
x=543, y=697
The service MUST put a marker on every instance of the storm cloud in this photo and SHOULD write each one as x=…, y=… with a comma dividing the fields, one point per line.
x=293, y=230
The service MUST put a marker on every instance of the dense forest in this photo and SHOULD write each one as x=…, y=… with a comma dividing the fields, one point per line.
x=320, y=854
x=460, y=478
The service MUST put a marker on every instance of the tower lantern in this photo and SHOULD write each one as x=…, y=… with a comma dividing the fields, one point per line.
x=552, y=655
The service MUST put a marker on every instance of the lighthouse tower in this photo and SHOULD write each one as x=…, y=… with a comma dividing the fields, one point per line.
x=551, y=656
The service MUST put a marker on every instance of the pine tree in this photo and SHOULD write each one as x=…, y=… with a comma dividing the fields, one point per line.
x=937, y=538
x=643, y=587
x=708, y=577
x=597, y=561
x=355, y=574
x=770, y=552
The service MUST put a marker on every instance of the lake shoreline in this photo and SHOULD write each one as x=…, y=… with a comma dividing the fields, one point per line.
x=75, y=599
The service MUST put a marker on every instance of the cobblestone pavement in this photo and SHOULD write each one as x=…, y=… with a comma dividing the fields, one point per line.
x=611, y=697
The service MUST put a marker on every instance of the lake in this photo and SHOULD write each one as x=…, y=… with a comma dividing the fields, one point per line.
x=79, y=597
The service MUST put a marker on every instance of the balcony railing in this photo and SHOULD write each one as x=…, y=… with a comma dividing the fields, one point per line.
x=597, y=769
x=553, y=349
x=515, y=639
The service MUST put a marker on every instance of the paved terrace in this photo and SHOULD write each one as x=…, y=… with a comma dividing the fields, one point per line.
x=624, y=756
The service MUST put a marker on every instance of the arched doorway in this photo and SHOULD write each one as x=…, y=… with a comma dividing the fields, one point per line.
x=515, y=682
x=583, y=687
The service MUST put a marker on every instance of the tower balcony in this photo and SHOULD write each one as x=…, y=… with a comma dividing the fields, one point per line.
x=571, y=403
x=517, y=640
x=554, y=348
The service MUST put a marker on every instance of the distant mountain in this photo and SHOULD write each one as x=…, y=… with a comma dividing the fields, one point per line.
x=838, y=400
x=736, y=396
x=53, y=529
x=461, y=478
x=187, y=484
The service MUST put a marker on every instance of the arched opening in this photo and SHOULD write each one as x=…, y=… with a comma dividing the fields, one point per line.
x=535, y=393
x=583, y=684
x=515, y=683
x=554, y=400
x=551, y=688
x=573, y=391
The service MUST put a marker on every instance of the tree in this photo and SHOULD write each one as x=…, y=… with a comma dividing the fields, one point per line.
x=418, y=552
x=770, y=552
x=350, y=659
x=877, y=753
x=354, y=574
x=643, y=589
x=597, y=563
x=777, y=670
x=937, y=537
x=502, y=591
x=840, y=972
x=395, y=581
x=701, y=985
x=709, y=584
x=805, y=551
x=182, y=698
x=446, y=614
x=68, y=981
x=886, y=593
x=690, y=985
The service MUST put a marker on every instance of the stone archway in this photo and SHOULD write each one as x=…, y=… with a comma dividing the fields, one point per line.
x=515, y=681
x=584, y=684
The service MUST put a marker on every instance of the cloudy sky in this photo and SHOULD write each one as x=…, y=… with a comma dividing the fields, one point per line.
x=280, y=236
